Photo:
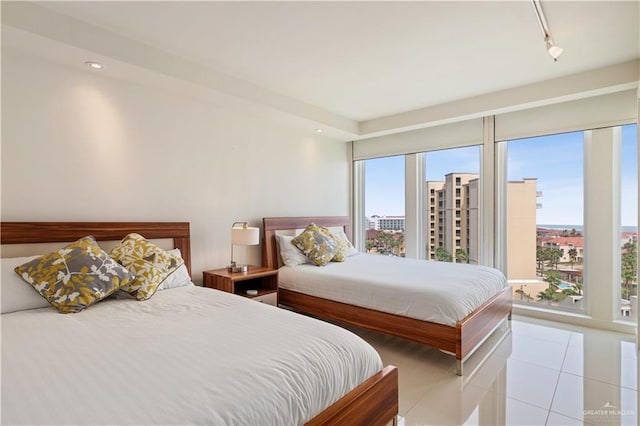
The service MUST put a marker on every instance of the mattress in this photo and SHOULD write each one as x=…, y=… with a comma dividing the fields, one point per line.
x=188, y=355
x=438, y=292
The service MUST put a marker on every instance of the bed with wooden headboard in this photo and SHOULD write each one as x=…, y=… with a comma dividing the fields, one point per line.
x=461, y=339
x=373, y=400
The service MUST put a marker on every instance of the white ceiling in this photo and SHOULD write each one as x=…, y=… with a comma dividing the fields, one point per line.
x=367, y=60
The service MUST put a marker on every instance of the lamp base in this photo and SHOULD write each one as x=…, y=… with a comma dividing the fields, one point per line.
x=238, y=268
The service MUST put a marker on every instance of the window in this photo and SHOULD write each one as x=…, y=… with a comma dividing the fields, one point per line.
x=555, y=194
x=449, y=181
x=384, y=205
x=544, y=220
x=629, y=222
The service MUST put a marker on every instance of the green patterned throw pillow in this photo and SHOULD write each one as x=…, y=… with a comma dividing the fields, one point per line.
x=76, y=276
x=150, y=264
x=316, y=245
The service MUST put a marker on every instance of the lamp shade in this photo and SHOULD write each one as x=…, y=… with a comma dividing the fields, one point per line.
x=245, y=236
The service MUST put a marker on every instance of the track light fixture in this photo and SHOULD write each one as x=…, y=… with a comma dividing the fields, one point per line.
x=554, y=50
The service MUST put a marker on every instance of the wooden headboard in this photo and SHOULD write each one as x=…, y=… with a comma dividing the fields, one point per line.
x=52, y=232
x=273, y=224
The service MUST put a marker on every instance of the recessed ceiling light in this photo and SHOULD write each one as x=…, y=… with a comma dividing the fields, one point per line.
x=319, y=130
x=94, y=65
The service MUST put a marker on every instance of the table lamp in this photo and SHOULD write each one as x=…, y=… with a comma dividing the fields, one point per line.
x=242, y=235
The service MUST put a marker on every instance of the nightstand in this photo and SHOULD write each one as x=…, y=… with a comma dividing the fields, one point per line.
x=265, y=280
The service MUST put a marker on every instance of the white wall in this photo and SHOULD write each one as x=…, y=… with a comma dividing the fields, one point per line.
x=79, y=146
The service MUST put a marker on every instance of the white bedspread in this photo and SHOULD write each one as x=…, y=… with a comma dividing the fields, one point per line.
x=188, y=355
x=439, y=292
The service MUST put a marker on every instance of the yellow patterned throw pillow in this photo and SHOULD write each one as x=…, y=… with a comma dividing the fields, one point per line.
x=316, y=245
x=341, y=246
x=149, y=263
x=76, y=276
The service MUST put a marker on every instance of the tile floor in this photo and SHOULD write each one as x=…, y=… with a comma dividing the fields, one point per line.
x=542, y=373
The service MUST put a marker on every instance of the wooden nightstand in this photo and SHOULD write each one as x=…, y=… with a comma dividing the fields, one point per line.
x=264, y=280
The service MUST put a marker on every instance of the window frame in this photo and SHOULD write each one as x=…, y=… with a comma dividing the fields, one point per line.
x=573, y=115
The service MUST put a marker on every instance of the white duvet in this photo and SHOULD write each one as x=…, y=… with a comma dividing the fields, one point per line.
x=438, y=292
x=188, y=355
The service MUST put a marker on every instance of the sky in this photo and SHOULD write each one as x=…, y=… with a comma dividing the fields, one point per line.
x=556, y=161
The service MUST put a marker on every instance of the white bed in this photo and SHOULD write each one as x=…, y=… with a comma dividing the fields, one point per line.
x=438, y=292
x=187, y=355
x=452, y=307
x=127, y=362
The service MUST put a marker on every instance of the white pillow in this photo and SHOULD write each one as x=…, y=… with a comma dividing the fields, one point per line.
x=178, y=278
x=16, y=294
x=290, y=254
x=342, y=236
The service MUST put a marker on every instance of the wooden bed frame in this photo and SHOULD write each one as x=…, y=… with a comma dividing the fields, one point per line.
x=461, y=340
x=374, y=402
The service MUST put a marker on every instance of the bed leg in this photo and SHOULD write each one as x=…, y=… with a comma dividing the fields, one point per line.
x=459, y=367
x=394, y=422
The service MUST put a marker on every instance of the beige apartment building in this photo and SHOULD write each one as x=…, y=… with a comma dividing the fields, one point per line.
x=453, y=221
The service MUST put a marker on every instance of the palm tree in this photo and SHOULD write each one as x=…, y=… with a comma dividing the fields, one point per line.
x=524, y=295
x=573, y=255
x=385, y=242
x=462, y=256
x=548, y=294
x=629, y=267
x=552, y=293
x=398, y=240
x=442, y=255
x=553, y=278
x=369, y=245
x=541, y=257
x=576, y=289
x=555, y=254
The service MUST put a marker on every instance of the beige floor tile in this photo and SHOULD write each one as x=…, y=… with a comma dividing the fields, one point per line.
x=521, y=413
x=520, y=376
x=448, y=403
x=540, y=329
x=541, y=352
x=607, y=357
x=595, y=402
x=531, y=383
x=556, y=419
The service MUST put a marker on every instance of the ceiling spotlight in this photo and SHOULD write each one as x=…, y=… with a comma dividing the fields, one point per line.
x=554, y=51
x=319, y=130
x=94, y=65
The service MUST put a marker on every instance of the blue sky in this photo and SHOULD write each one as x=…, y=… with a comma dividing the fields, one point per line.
x=556, y=161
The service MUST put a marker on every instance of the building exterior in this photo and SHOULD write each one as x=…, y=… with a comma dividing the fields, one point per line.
x=448, y=213
x=565, y=245
x=522, y=203
x=434, y=215
x=386, y=223
x=453, y=221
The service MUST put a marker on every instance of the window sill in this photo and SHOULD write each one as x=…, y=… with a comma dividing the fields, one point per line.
x=572, y=318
